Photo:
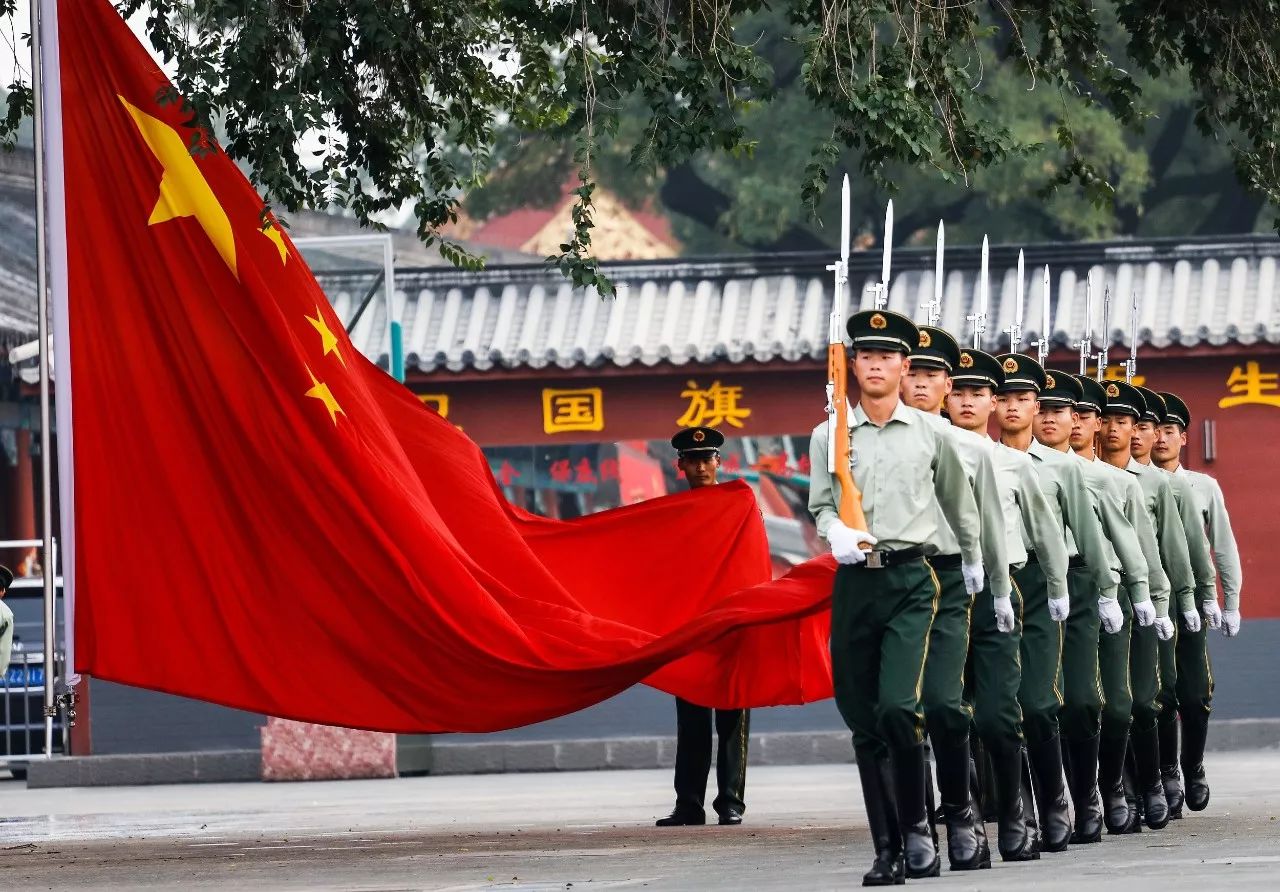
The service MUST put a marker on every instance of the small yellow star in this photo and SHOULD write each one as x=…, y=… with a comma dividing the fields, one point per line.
x=320, y=391
x=328, y=340
x=272, y=231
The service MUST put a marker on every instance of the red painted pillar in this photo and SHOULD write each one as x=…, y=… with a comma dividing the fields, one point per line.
x=21, y=509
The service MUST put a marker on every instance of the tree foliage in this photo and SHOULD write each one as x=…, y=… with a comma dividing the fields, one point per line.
x=379, y=104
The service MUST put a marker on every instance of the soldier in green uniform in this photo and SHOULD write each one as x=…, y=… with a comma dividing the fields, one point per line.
x=884, y=599
x=1205, y=580
x=1125, y=410
x=1144, y=595
x=947, y=715
x=1042, y=428
x=1030, y=528
x=698, y=451
x=1195, y=674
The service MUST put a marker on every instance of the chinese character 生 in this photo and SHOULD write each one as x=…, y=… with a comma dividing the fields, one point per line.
x=1252, y=386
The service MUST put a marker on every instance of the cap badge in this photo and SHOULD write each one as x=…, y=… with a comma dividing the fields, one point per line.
x=926, y=340
x=966, y=360
x=1049, y=382
x=699, y=436
x=1113, y=391
x=878, y=322
x=1010, y=365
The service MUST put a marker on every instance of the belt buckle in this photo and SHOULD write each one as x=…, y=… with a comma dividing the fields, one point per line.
x=875, y=560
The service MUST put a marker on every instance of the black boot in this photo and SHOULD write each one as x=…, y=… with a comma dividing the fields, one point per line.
x=1195, y=731
x=982, y=782
x=1015, y=841
x=1170, y=776
x=1051, y=795
x=1083, y=777
x=918, y=851
x=1131, y=797
x=1146, y=763
x=882, y=815
x=966, y=842
x=1111, y=783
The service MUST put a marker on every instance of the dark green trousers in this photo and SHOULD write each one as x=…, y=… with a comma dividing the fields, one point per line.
x=994, y=674
x=1186, y=674
x=880, y=621
x=946, y=714
x=693, y=756
x=1144, y=676
x=1168, y=694
x=1113, y=664
x=1039, y=692
x=1081, y=682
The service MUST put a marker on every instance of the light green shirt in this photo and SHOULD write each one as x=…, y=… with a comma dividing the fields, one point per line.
x=1062, y=478
x=1109, y=497
x=1171, y=536
x=1198, y=549
x=1029, y=518
x=903, y=470
x=978, y=465
x=1212, y=507
x=1128, y=497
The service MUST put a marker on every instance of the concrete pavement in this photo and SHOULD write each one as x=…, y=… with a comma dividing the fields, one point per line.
x=805, y=830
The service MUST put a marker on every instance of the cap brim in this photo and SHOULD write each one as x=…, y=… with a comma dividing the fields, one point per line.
x=1050, y=400
x=969, y=379
x=929, y=362
x=882, y=342
x=1018, y=386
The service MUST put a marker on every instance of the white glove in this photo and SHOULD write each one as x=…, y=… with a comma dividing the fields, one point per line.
x=1004, y=614
x=1144, y=613
x=1231, y=623
x=973, y=578
x=1191, y=619
x=1164, y=628
x=1212, y=614
x=1111, y=615
x=1059, y=608
x=846, y=543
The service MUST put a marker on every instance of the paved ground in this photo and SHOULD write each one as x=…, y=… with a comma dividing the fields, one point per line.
x=567, y=831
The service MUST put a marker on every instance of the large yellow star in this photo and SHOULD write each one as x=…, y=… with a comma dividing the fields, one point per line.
x=320, y=391
x=328, y=340
x=184, y=192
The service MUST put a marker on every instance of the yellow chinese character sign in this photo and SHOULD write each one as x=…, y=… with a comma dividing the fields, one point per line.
x=1252, y=386
x=572, y=410
x=1116, y=373
x=437, y=401
x=713, y=406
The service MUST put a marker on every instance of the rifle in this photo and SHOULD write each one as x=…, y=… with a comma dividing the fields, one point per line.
x=1086, y=343
x=850, y=506
x=1106, y=334
x=1046, y=324
x=1131, y=364
x=934, y=307
x=979, y=319
x=881, y=288
x=1015, y=330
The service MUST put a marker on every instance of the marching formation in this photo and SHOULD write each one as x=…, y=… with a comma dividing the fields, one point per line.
x=1032, y=607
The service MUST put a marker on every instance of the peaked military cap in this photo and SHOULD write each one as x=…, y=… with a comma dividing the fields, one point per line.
x=1020, y=373
x=697, y=439
x=937, y=350
x=1093, y=396
x=977, y=369
x=883, y=330
x=1155, y=406
x=1060, y=389
x=1176, y=411
x=1123, y=399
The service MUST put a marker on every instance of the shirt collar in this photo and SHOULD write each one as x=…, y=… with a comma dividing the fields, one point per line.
x=901, y=412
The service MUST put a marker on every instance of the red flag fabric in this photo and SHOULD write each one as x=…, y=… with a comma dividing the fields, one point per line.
x=266, y=520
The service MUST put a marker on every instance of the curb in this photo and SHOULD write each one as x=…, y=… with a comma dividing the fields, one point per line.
x=498, y=757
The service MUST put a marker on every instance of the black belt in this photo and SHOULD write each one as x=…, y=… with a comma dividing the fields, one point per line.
x=1076, y=562
x=1031, y=556
x=945, y=561
x=881, y=560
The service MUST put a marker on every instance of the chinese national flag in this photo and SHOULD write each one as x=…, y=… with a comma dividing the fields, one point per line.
x=264, y=519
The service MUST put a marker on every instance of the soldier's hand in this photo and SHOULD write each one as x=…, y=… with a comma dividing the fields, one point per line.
x=973, y=577
x=1144, y=613
x=1191, y=619
x=1111, y=615
x=1059, y=608
x=846, y=543
x=1212, y=614
x=1164, y=628
x=1004, y=614
x=1231, y=623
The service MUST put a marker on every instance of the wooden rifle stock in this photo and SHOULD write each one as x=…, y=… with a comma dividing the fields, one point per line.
x=850, y=504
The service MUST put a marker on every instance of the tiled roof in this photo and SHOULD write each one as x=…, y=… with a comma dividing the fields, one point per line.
x=775, y=307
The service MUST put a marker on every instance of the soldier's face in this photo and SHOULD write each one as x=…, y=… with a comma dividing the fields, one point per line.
x=1084, y=428
x=1117, y=432
x=1015, y=411
x=925, y=389
x=879, y=371
x=1144, y=438
x=1054, y=424
x=699, y=468
x=970, y=407
x=1170, y=438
